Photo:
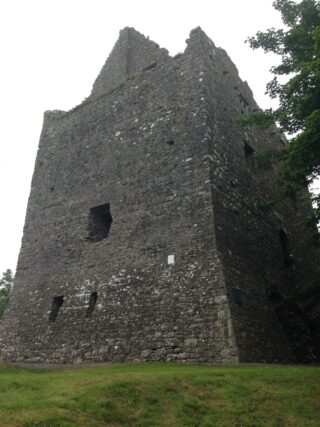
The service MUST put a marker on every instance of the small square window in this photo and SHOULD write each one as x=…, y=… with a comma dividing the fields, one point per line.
x=100, y=220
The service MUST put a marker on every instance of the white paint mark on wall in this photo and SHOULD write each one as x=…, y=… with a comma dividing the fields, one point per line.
x=171, y=259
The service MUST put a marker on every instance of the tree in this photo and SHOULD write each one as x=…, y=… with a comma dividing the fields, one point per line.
x=298, y=113
x=6, y=284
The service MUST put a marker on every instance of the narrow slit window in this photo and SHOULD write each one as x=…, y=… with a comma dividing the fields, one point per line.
x=285, y=246
x=92, y=302
x=55, y=307
x=150, y=66
x=100, y=220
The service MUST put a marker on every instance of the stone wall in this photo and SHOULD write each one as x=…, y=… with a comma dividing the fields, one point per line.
x=146, y=161
x=131, y=54
x=143, y=238
x=247, y=235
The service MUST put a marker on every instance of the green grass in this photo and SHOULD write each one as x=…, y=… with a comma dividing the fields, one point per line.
x=153, y=394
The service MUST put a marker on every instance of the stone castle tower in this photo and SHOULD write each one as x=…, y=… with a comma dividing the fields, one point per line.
x=145, y=237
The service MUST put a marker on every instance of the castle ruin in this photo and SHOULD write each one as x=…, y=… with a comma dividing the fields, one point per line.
x=145, y=235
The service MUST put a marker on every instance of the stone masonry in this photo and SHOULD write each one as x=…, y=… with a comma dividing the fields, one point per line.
x=144, y=236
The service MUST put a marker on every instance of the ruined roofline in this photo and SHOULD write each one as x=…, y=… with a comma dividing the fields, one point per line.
x=125, y=61
x=133, y=52
x=130, y=54
x=125, y=34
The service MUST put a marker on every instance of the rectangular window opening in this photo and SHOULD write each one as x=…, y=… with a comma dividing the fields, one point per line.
x=100, y=220
x=55, y=307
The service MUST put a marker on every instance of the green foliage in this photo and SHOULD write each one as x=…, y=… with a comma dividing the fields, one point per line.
x=307, y=298
x=265, y=207
x=263, y=119
x=267, y=158
x=298, y=113
x=154, y=394
x=134, y=75
x=6, y=284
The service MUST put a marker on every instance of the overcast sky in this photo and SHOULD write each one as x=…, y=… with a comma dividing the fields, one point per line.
x=52, y=51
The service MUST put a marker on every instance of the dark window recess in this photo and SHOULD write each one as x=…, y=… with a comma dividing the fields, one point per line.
x=150, y=66
x=274, y=295
x=248, y=150
x=55, y=307
x=92, y=302
x=100, y=221
x=170, y=142
x=285, y=246
x=243, y=102
x=236, y=293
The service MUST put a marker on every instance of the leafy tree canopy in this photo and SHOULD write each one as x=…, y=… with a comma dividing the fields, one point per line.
x=6, y=283
x=298, y=113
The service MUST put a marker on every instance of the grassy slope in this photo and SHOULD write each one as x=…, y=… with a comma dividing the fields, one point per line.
x=160, y=395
